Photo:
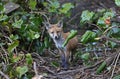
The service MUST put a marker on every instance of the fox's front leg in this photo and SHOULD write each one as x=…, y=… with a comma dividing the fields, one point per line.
x=64, y=57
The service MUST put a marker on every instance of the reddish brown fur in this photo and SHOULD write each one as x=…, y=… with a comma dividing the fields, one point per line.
x=53, y=28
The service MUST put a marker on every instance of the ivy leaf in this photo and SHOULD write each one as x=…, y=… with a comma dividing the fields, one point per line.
x=36, y=35
x=66, y=7
x=32, y=4
x=18, y=23
x=108, y=14
x=1, y=7
x=71, y=35
x=85, y=56
x=3, y=17
x=116, y=77
x=54, y=6
x=33, y=35
x=29, y=59
x=117, y=2
x=13, y=45
x=86, y=16
x=101, y=21
x=88, y=37
x=22, y=70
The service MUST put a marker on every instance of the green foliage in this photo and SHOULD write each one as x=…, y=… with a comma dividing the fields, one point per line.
x=54, y=7
x=22, y=31
x=102, y=26
x=13, y=45
x=29, y=59
x=86, y=16
x=88, y=37
x=101, y=67
x=116, y=77
x=3, y=17
x=21, y=70
x=101, y=20
x=65, y=8
x=85, y=56
x=17, y=23
x=16, y=58
x=32, y=4
x=117, y=2
x=71, y=35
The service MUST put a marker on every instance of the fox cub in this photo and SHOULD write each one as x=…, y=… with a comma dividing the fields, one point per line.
x=56, y=33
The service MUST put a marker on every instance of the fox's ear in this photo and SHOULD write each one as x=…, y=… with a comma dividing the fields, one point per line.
x=60, y=23
x=47, y=25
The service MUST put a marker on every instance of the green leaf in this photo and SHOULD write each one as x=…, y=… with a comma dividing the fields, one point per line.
x=116, y=77
x=86, y=16
x=117, y=2
x=108, y=14
x=101, y=21
x=101, y=67
x=85, y=56
x=32, y=4
x=112, y=44
x=29, y=59
x=13, y=45
x=21, y=70
x=14, y=37
x=54, y=64
x=3, y=17
x=18, y=23
x=15, y=58
x=88, y=37
x=32, y=35
x=1, y=7
x=53, y=6
x=37, y=35
x=66, y=7
x=70, y=36
x=46, y=42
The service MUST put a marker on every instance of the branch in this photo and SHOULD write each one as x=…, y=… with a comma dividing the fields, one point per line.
x=4, y=75
x=110, y=39
x=115, y=64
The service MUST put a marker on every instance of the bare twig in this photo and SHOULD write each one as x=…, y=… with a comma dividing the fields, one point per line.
x=77, y=70
x=42, y=34
x=96, y=26
x=35, y=68
x=109, y=29
x=36, y=12
x=115, y=65
x=4, y=75
x=52, y=72
x=6, y=53
x=35, y=54
x=110, y=39
x=30, y=46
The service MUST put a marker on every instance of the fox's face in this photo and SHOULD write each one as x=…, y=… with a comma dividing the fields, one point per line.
x=55, y=30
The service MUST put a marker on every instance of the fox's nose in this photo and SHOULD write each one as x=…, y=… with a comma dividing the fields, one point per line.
x=56, y=37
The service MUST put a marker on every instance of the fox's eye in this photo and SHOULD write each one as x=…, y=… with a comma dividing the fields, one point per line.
x=58, y=31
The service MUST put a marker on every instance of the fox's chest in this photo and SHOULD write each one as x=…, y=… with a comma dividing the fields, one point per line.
x=59, y=43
